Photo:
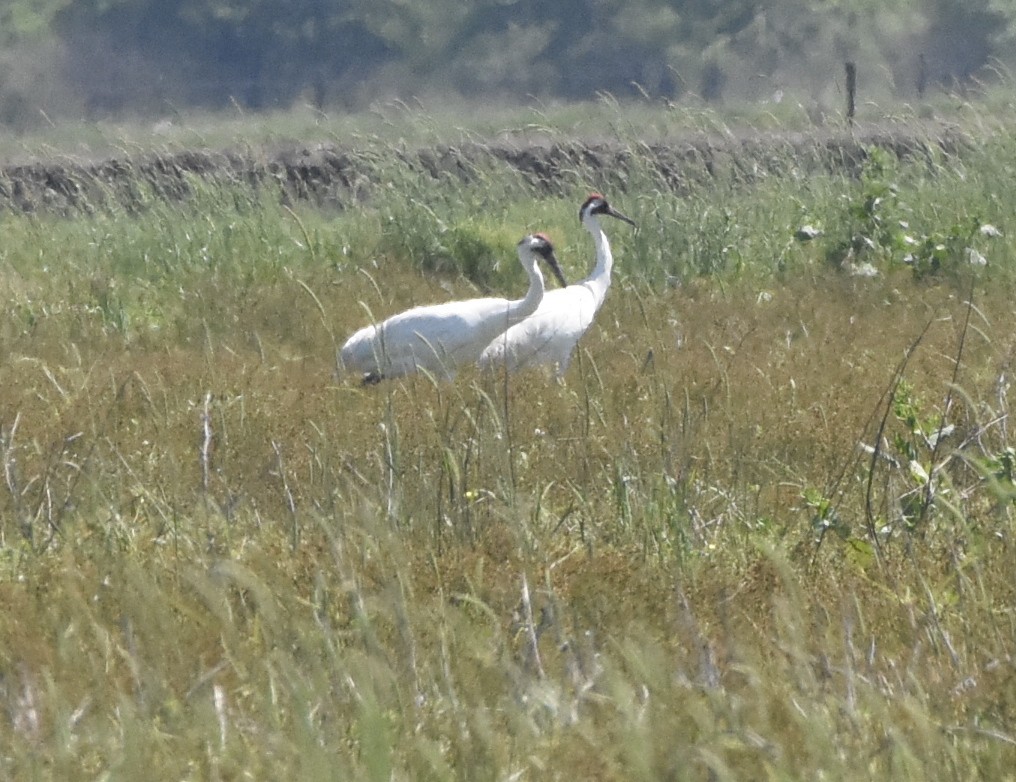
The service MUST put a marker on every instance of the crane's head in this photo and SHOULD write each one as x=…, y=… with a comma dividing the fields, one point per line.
x=596, y=204
x=540, y=247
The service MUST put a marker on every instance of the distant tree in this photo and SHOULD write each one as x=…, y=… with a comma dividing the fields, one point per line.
x=965, y=35
x=141, y=55
x=211, y=53
x=30, y=84
x=571, y=48
x=22, y=20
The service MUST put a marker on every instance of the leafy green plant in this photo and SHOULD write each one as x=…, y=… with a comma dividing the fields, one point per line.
x=824, y=516
x=873, y=228
x=916, y=446
x=946, y=252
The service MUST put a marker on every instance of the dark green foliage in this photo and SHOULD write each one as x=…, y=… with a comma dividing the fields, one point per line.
x=212, y=53
x=145, y=56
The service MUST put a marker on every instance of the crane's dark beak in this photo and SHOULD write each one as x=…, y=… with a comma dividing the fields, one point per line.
x=614, y=213
x=555, y=267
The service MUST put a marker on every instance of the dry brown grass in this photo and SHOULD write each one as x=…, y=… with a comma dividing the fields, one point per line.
x=219, y=559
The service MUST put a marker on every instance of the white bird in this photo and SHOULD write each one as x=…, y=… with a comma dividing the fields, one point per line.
x=550, y=334
x=440, y=337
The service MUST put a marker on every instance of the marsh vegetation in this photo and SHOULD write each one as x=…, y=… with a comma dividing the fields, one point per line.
x=764, y=528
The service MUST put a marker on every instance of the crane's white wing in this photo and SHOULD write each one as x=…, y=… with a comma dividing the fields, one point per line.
x=437, y=337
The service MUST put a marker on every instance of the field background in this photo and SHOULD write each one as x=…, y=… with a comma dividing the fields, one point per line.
x=763, y=529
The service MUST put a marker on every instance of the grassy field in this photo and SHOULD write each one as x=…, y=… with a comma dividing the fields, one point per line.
x=764, y=529
x=444, y=120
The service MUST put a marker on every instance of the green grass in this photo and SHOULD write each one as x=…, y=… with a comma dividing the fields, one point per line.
x=441, y=120
x=221, y=561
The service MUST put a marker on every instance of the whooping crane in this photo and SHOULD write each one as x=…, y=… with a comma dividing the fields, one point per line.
x=550, y=334
x=440, y=337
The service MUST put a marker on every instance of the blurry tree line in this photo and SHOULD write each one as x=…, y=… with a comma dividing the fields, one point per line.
x=143, y=56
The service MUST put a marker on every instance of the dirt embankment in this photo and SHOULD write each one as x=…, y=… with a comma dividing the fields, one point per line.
x=329, y=174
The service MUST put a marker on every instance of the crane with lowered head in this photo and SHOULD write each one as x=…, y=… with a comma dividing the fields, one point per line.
x=438, y=338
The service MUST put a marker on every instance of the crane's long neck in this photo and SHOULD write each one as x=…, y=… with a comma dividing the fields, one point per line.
x=520, y=309
x=599, y=281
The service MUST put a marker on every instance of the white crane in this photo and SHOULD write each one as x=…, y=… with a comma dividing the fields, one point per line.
x=550, y=334
x=440, y=337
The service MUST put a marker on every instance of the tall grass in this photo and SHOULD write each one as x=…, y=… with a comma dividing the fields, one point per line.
x=726, y=547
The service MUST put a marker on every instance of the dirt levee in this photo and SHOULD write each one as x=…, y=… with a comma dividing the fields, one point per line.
x=333, y=175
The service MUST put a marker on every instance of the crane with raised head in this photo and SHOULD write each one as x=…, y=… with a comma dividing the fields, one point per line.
x=438, y=338
x=550, y=334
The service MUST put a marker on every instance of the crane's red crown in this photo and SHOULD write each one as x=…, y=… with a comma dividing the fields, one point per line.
x=592, y=197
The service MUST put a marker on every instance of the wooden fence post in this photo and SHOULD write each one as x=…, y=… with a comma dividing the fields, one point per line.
x=851, y=90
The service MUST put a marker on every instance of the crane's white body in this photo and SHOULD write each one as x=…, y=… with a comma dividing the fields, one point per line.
x=441, y=337
x=549, y=335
